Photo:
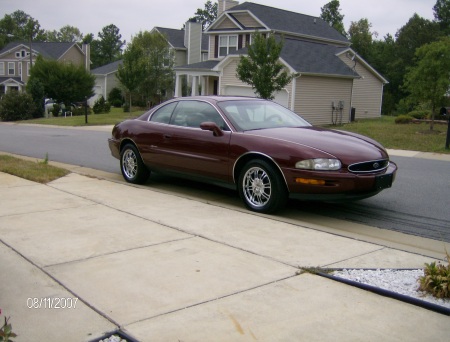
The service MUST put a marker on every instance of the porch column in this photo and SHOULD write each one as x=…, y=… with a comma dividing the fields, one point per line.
x=194, y=91
x=203, y=86
x=178, y=86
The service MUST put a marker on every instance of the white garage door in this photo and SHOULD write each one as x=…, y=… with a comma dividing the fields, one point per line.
x=281, y=97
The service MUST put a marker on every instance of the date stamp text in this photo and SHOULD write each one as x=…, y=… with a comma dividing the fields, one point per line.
x=52, y=303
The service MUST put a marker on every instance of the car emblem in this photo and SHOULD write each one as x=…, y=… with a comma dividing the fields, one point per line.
x=376, y=165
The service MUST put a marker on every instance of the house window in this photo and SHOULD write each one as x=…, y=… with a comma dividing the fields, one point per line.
x=2, y=68
x=21, y=54
x=11, y=68
x=227, y=45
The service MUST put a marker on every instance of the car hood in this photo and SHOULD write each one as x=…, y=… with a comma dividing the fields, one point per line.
x=346, y=146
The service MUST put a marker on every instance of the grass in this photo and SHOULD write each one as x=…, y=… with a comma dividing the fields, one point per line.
x=115, y=116
x=39, y=171
x=414, y=137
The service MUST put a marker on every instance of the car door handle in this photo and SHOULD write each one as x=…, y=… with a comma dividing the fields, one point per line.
x=167, y=136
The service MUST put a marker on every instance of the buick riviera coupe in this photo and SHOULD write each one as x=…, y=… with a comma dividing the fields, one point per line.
x=255, y=146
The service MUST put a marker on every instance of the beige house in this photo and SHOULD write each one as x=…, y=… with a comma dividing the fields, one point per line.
x=16, y=62
x=332, y=79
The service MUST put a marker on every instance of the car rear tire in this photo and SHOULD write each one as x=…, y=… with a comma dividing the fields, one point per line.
x=132, y=167
x=261, y=187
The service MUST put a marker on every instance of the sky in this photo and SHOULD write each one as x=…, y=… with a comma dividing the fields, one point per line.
x=132, y=16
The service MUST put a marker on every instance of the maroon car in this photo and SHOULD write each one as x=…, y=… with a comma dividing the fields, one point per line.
x=258, y=147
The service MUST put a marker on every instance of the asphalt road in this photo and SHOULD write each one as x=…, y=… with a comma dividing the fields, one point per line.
x=417, y=204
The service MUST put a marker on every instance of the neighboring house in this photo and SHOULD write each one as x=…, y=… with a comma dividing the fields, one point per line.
x=332, y=79
x=181, y=42
x=105, y=80
x=15, y=60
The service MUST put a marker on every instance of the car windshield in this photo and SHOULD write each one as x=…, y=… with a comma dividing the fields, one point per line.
x=256, y=114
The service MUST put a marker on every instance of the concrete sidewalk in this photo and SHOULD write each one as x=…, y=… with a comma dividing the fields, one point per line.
x=164, y=267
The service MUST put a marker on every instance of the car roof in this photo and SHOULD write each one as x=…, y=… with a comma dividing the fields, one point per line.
x=218, y=98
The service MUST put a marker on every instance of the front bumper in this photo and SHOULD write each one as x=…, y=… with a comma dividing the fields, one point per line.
x=339, y=186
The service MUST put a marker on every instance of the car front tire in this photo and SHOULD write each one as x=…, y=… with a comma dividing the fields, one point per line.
x=262, y=188
x=132, y=167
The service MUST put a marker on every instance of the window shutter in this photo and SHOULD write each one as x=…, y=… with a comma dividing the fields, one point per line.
x=240, y=41
x=247, y=40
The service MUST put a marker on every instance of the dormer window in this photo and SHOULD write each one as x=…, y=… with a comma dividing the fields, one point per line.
x=21, y=54
x=227, y=45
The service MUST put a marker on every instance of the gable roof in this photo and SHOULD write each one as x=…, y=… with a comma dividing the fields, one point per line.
x=48, y=50
x=283, y=21
x=107, y=69
x=315, y=58
x=176, y=38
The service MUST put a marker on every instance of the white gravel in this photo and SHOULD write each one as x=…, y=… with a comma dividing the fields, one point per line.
x=405, y=282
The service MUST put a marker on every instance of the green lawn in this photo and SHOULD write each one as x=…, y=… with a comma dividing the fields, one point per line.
x=115, y=116
x=415, y=137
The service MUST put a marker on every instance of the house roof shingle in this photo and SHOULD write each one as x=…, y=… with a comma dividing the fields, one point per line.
x=286, y=21
x=107, y=69
x=176, y=38
x=48, y=50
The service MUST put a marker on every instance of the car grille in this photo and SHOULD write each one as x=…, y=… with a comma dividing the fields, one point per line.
x=369, y=166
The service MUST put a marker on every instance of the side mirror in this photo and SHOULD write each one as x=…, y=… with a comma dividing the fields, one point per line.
x=211, y=126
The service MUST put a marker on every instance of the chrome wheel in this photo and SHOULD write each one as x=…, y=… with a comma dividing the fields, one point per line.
x=257, y=186
x=262, y=187
x=132, y=166
x=129, y=164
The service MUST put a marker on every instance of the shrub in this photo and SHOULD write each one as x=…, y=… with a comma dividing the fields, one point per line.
x=403, y=119
x=16, y=106
x=436, y=279
x=56, y=109
x=115, y=97
x=101, y=106
x=419, y=114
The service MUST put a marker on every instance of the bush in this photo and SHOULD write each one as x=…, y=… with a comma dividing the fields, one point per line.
x=436, y=279
x=16, y=106
x=403, y=119
x=56, y=109
x=101, y=106
x=419, y=114
x=115, y=97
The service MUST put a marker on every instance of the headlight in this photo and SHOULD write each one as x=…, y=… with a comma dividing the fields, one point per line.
x=320, y=164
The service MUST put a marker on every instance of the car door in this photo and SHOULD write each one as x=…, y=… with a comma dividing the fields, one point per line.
x=192, y=150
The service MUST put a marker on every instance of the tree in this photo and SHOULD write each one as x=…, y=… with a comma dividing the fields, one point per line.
x=19, y=26
x=331, y=14
x=361, y=37
x=130, y=73
x=65, y=34
x=207, y=15
x=149, y=61
x=442, y=15
x=429, y=80
x=66, y=83
x=262, y=68
x=108, y=48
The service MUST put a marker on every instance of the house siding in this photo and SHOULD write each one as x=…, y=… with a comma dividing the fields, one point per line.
x=73, y=55
x=367, y=91
x=226, y=24
x=314, y=96
x=247, y=20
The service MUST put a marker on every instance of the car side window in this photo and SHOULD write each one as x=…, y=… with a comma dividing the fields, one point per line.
x=193, y=113
x=164, y=113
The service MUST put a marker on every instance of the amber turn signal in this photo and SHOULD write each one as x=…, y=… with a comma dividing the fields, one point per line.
x=310, y=181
